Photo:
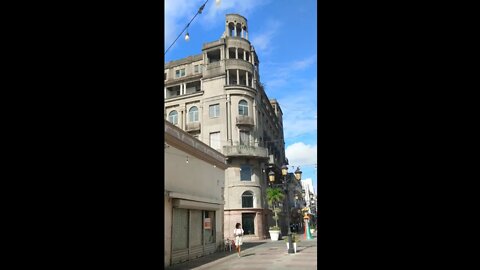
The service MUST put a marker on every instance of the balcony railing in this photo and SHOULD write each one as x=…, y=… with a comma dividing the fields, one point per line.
x=245, y=150
x=192, y=126
x=244, y=120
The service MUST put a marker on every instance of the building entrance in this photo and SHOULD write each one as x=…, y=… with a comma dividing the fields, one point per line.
x=248, y=223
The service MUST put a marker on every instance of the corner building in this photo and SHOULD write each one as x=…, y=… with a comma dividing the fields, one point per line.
x=217, y=97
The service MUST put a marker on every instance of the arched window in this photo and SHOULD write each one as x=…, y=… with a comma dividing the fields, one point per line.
x=243, y=108
x=193, y=114
x=247, y=199
x=173, y=117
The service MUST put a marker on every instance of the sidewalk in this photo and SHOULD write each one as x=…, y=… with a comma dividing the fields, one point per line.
x=262, y=254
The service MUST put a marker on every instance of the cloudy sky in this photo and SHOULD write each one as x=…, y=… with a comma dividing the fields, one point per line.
x=284, y=34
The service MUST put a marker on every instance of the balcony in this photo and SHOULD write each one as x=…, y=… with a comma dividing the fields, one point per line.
x=194, y=126
x=244, y=120
x=245, y=151
x=214, y=69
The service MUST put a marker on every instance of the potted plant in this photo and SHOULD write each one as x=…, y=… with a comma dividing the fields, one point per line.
x=274, y=196
x=295, y=240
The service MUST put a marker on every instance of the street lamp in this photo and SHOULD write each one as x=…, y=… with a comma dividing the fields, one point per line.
x=187, y=36
x=284, y=185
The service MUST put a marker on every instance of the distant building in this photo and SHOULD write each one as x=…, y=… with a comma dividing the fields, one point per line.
x=309, y=196
x=217, y=97
x=194, y=188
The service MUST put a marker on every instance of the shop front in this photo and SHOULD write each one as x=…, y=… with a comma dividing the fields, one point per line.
x=194, y=229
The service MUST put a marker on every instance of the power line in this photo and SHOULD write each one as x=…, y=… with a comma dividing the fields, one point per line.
x=188, y=24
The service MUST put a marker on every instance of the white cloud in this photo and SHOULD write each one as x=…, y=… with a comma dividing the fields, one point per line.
x=299, y=110
x=215, y=14
x=304, y=63
x=299, y=154
x=263, y=42
x=279, y=74
x=177, y=15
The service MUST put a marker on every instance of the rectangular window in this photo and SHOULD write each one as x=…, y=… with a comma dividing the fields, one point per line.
x=245, y=173
x=180, y=73
x=215, y=141
x=196, y=69
x=214, y=110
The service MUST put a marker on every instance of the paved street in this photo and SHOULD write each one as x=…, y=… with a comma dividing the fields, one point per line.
x=263, y=254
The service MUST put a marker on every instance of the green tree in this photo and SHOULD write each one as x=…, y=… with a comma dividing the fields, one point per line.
x=274, y=196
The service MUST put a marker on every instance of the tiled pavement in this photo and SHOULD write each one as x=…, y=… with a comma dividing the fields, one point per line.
x=264, y=254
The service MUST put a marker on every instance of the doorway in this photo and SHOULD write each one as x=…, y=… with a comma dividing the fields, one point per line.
x=248, y=223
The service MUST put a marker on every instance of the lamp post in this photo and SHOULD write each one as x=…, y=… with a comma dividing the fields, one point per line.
x=284, y=185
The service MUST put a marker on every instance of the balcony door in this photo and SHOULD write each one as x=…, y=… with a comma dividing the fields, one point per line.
x=244, y=138
x=215, y=141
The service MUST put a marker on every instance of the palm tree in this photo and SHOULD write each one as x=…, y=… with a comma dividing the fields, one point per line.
x=274, y=196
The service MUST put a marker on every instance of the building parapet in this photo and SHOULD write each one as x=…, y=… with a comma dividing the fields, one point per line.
x=194, y=126
x=239, y=64
x=177, y=137
x=245, y=150
x=214, y=69
x=213, y=44
x=183, y=61
x=244, y=120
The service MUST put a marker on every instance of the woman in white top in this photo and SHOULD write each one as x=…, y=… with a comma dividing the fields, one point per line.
x=238, y=233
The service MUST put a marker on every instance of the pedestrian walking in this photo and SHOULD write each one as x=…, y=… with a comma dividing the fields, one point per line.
x=238, y=233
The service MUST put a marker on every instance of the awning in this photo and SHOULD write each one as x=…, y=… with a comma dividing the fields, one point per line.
x=180, y=203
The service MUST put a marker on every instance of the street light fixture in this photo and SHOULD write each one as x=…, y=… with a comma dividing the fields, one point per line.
x=271, y=176
x=187, y=36
x=284, y=185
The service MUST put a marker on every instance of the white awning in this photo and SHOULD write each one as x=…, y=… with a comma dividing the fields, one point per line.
x=179, y=203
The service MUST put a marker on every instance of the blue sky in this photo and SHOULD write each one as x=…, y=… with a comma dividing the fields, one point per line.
x=284, y=34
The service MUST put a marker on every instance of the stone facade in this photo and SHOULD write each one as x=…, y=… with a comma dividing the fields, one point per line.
x=218, y=98
x=193, y=196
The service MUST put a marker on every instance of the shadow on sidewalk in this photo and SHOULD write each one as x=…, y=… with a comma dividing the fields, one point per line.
x=213, y=257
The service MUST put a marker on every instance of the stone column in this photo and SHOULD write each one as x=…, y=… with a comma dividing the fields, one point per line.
x=236, y=53
x=246, y=35
x=228, y=53
x=238, y=77
x=228, y=77
x=244, y=55
x=246, y=81
x=165, y=92
x=182, y=118
x=185, y=88
x=235, y=29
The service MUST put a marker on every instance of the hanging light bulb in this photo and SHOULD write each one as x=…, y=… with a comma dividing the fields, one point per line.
x=187, y=160
x=187, y=37
x=218, y=2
